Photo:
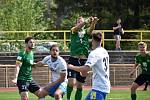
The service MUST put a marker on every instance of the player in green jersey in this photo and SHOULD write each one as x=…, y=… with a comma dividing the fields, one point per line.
x=79, y=51
x=143, y=60
x=23, y=72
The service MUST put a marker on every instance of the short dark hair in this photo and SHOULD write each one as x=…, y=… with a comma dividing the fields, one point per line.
x=97, y=36
x=28, y=39
x=54, y=45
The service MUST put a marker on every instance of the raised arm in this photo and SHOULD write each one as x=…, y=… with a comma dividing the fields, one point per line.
x=77, y=27
x=81, y=23
x=92, y=25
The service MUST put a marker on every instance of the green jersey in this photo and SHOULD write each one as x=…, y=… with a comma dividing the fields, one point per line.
x=144, y=62
x=79, y=43
x=27, y=59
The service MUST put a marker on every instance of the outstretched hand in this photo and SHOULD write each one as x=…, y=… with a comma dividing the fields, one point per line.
x=14, y=81
x=34, y=65
x=95, y=19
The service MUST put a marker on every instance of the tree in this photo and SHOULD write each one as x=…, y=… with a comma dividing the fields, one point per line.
x=22, y=15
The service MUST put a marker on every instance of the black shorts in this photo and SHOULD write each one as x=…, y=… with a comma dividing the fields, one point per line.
x=141, y=79
x=75, y=74
x=27, y=86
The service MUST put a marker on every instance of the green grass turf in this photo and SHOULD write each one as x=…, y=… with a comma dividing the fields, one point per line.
x=114, y=95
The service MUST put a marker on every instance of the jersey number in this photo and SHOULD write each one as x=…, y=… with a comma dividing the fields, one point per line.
x=105, y=60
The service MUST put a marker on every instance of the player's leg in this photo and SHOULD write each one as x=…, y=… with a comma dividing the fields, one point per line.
x=71, y=78
x=35, y=89
x=133, y=90
x=140, y=80
x=71, y=83
x=60, y=92
x=24, y=95
x=80, y=81
x=78, y=95
x=23, y=89
x=146, y=85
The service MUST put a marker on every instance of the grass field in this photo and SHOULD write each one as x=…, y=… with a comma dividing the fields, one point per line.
x=114, y=95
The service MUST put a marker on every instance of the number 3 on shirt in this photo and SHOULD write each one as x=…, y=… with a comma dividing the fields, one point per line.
x=105, y=60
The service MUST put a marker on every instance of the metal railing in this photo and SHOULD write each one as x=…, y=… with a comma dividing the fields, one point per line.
x=67, y=39
x=7, y=75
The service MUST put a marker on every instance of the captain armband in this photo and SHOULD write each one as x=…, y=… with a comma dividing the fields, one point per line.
x=63, y=71
x=18, y=62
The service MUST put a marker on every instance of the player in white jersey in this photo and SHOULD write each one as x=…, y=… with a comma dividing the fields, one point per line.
x=98, y=61
x=58, y=85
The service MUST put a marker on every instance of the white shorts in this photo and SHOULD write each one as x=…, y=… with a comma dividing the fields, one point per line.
x=62, y=86
x=117, y=37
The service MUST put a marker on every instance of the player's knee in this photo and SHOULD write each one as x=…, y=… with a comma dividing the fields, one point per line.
x=133, y=89
x=42, y=93
x=79, y=86
x=24, y=97
x=57, y=96
x=71, y=84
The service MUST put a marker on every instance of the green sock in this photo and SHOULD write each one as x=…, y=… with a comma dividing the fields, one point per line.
x=133, y=96
x=78, y=95
x=69, y=90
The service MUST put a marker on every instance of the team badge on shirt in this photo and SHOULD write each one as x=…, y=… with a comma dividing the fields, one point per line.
x=93, y=95
x=19, y=58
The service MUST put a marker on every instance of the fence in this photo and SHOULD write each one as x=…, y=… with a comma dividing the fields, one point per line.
x=63, y=36
x=120, y=66
x=119, y=75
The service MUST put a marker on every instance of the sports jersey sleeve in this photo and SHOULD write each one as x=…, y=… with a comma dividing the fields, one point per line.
x=137, y=60
x=91, y=59
x=45, y=60
x=19, y=58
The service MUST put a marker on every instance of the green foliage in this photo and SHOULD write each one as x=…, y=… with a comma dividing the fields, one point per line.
x=31, y=15
x=22, y=15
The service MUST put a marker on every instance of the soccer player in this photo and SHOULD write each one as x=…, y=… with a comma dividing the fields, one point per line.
x=98, y=61
x=142, y=59
x=58, y=85
x=78, y=52
x=23, y=72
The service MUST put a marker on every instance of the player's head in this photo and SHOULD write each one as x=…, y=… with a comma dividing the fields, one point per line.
x=96, y=39
x=79, y=20
x=142, y=47
x=30, y=43
x=54, y=50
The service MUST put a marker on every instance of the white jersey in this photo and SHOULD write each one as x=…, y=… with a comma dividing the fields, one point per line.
x=57, y=67
x=98, y=60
